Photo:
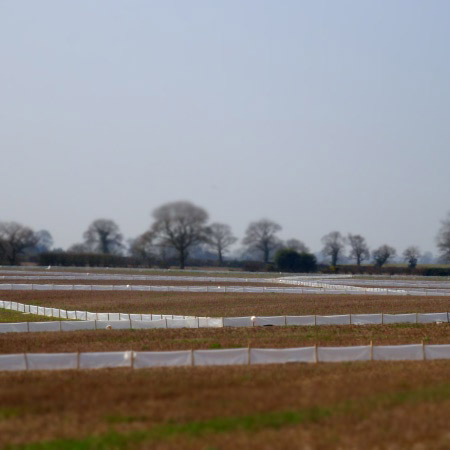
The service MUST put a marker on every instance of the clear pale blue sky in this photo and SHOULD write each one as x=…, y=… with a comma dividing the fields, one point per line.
x=320, y=115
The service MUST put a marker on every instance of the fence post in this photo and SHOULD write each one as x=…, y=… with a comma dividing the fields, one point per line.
x=78, y=360
x=316, y=355
x=192, y=358
x=423, y=351
x=371, y=350
x=26, y=361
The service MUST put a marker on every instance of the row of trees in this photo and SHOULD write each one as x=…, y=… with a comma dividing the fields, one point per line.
x=180, y=228
x=334, y=245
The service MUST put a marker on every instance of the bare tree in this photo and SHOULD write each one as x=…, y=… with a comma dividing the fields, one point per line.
x=143, y=247
x=297, y=245
x=359, y=249
x=261, y=236
x=411, y=255
x=443, y=239
x=333, y=246
x=383, y=255
x=103, y=235
x=180, y=225
x=220, y=238
x=15, y=239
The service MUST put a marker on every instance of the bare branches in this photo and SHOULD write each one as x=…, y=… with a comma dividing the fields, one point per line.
x=220, y=238
x=261, y=235
x=333, y=246
x=359, y=249
x=15, y=239
x=103, y=235
x=180, y=225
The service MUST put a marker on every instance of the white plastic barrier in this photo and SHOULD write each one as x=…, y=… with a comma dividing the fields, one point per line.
x=432, y=317
x=342, y=354
x=399, y=318
x=437, y=351
x=367, y=319
x=44, y=326
x=301, y=320
x=105, y=360
x=279, y=356
x=77, y=325
x=343, y=319
x=103, y=317
x=142, y=324
x=209, y=322
x=237, y=322
x=52, y=361
x=163, y=359
x=113, y=325
x=270, y=321
x=19, y=327
x=398, y=352
x=16, y=362
x=182, y=323
x=226, y=357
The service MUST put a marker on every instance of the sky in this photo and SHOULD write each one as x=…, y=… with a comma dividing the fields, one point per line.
x=319, y=115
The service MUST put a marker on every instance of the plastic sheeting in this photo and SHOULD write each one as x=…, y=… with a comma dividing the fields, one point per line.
x=77, y=325
x=142, y=324
x=279, y=356
x=15, y=362
x=163, y=359
x=52, y=361
x=341, y=354
x=270, y=321
x=399, y=318
x=113, y=325
x=432, y=318
x=398, y=352
x=437, y=351
x=343, y=319
x=44, y=326
x=20, y=327
x=237, y=322
x=227, y=357
x=301, y=320
x=105, y=360
x=367, y=319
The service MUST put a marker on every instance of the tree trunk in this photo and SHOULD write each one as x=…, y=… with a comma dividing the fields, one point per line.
x=182, y=259
x=220, y=257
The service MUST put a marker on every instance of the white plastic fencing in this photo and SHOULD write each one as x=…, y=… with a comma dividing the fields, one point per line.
x=236, y=356
x=85, y=320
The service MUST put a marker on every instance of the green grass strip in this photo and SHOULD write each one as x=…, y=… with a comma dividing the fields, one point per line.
x=249, y=423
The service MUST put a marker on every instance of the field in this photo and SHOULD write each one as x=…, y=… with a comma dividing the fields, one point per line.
x=229, y=304
x=373, y=405
x=378, y=405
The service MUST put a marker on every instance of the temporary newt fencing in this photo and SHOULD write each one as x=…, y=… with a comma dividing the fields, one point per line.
x=85, y=320
x=235, y=356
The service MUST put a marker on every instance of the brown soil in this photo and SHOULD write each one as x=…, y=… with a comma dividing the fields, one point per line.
x=229, y=304
x=207, y=338
x=367, y=405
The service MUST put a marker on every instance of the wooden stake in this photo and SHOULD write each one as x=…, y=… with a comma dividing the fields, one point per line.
x=371, y=350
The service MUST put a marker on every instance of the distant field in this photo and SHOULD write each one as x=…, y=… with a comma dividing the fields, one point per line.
x=214, y=338
x=43, y=280
x=212, y=272
x=229, y=304
x=318, y=406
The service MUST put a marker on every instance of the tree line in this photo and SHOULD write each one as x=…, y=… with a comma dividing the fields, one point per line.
x=181, y=230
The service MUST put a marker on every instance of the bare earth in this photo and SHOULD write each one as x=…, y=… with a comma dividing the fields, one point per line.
x=319, y=406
